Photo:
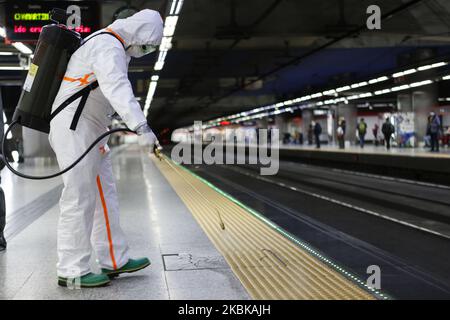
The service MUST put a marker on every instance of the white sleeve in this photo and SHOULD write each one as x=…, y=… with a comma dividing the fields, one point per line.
x=110, y=67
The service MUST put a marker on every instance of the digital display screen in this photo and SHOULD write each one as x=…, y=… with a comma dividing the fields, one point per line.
x=24, y=19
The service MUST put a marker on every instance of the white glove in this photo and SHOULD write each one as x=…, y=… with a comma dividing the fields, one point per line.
x=147, y=140
x=146, y=137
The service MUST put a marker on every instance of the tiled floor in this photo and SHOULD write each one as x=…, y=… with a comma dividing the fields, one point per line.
x=157, y=224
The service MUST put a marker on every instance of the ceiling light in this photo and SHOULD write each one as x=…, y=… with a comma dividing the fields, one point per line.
x=403, y=87
x=380, y=79
x=170, y=25
x=382, y=91
x=343, y=88
x=361, y=84
x=13, y=68
x=173, y=6
x=179, y=5
x=166, y=44
x=431, y=66
x=159, y=65
x=404, y=73
x=421, y=83
x=329, y=92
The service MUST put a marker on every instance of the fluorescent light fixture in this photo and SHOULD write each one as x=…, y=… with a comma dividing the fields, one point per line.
x=382, y=91
x=380, y=79
x=18, y=45
x=365, y=95
x=316, y=95
x=421, y=83
x=173, y=6
x=329, y=92
x=432, y=66
x=150, y=94
x=170, y=25
x=166, y=44
x=179, y=5
x=6, y=53
x=404, y=73
x=162, y=56
x=155, y=78
x=446, y=77
x=13, y=68
x=345, y=88
x=22, y=48
x=358, y=85
x=439, y=64
x=403, y=87
x=159, y=65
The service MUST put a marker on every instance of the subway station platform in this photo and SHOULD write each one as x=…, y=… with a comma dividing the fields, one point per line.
x=412, y=163
x=203, y=243
x=374, y=150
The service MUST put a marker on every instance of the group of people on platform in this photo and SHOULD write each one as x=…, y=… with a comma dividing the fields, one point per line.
x=315, y=131
x=435, y=133
x=387, y=130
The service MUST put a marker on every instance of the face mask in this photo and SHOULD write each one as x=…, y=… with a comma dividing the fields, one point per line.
x=138, y=51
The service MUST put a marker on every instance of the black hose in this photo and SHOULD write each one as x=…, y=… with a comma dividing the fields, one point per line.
x=22, y=175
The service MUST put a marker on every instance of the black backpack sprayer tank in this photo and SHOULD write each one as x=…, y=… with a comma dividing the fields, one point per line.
x=55, y=46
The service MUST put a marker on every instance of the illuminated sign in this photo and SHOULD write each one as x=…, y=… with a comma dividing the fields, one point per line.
x=24, y=19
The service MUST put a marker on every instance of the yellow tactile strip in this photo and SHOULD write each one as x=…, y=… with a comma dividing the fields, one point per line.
x=268, y=264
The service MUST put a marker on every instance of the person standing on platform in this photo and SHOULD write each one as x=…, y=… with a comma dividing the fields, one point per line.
x=341, y=134
x=375, y=133
x=317, y=132
x=388, y=130
x=435, y=130
x=362, y=130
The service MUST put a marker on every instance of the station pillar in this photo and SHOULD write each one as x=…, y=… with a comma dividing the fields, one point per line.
x=417, y=104
x=307, y=118
x=423, y=102
x=281, y=124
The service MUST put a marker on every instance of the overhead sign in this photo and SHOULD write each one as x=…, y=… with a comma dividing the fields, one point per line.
x=24, y=19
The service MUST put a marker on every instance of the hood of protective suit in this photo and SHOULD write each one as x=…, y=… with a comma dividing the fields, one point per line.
x=143, y=28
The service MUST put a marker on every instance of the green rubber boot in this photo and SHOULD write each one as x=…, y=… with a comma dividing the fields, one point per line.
x=131, y=266
x=90, y=280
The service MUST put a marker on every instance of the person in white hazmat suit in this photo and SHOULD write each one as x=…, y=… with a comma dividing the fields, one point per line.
x=89, y=218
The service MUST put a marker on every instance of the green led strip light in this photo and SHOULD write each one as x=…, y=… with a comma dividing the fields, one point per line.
x=291, y=237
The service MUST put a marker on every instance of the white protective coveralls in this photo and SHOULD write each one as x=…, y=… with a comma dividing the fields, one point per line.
x=89, y=217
